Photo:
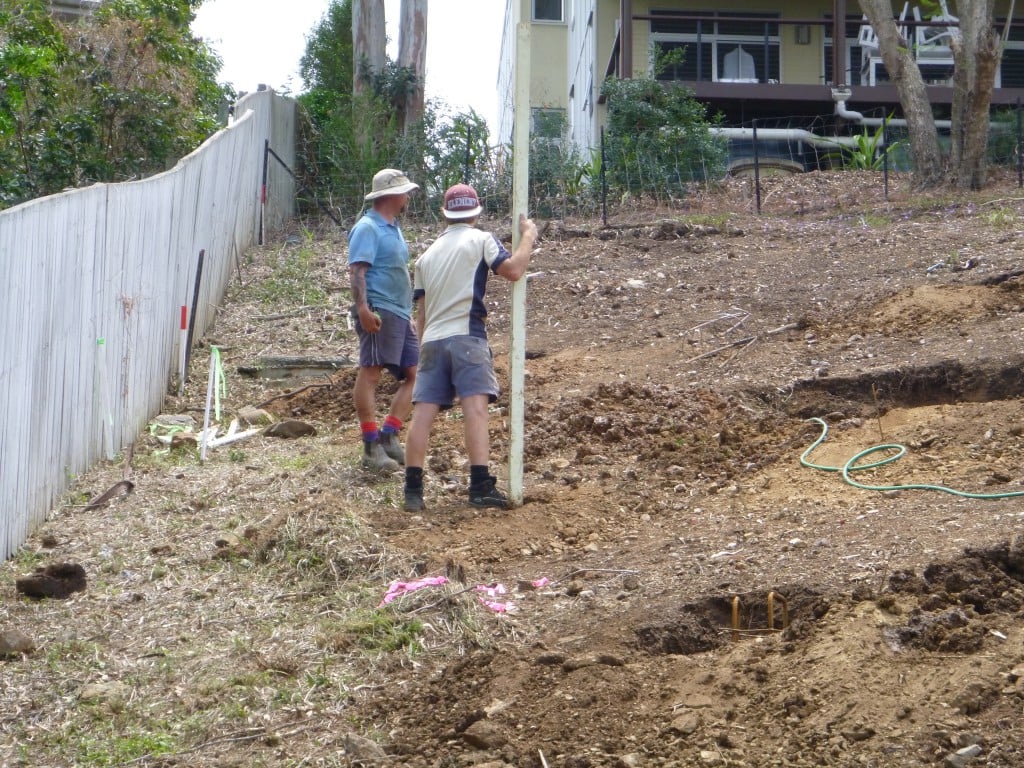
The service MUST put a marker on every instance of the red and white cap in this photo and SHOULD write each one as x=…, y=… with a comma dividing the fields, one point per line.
x=461, y=202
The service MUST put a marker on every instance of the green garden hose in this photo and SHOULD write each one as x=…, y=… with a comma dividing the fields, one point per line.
x=852, y=466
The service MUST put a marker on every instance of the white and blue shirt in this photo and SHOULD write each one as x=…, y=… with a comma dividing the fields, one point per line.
x=451, y=278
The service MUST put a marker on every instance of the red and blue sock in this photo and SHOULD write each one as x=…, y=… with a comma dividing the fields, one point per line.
x=369, y=430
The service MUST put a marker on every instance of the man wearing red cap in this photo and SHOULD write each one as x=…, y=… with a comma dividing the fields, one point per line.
x=450, y=279
x=378, y=260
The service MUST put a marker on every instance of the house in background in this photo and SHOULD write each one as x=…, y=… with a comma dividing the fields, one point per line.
x=795, y=65
x=71, y=9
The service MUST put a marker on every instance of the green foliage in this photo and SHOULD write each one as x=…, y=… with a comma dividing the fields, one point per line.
x=560, y=180
x=102, y=748
x=392, y=84
x=292, y=281
x=27, y=559
x=555, y=180
x=347, y=137
x=385, y=632
x=658, y=140
x=1002, y=218
x=1002, y=140
x=867, y=151
x=326, y=64
x=118, y=95
x=588, y=175
x=455, y=148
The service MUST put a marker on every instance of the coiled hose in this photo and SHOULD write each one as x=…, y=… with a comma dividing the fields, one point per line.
x=852, y=466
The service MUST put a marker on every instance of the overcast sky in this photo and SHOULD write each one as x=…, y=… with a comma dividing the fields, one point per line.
x=260, y=45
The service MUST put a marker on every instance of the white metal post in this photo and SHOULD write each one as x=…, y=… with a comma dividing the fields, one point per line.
x=520, y=176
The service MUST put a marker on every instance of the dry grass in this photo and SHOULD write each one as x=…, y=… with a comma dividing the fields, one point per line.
x=231, y=602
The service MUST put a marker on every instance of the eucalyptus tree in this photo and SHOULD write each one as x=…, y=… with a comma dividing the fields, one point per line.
x=977, y=51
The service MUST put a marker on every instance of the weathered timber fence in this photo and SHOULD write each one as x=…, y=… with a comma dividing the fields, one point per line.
x=93, y=281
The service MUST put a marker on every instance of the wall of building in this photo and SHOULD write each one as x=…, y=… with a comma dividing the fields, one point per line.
x=549, y=86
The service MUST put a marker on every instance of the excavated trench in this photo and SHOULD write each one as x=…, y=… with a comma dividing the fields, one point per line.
x=942, y=383
x=952, y=600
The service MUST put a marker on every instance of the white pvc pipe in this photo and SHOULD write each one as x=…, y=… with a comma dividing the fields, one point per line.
x=210, y=386
x=786, y=134
x=875, y=122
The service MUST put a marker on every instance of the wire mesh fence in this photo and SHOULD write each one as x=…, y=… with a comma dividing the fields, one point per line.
x=662, y=170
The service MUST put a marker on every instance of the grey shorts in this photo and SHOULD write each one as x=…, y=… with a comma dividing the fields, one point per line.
x=459, y=366
x=394, y=347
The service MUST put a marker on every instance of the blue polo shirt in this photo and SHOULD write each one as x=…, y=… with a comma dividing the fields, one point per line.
x=381, y=245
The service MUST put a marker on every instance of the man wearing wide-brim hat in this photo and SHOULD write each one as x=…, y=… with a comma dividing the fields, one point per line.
x=378, y=260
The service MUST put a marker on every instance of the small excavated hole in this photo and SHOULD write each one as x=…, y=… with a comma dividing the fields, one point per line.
x=709, y=623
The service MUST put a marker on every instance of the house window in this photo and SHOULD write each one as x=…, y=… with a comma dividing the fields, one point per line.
x=1011, y=68
x=851, y=75
x=547, y=123
x=727, y=47
x=547, y=10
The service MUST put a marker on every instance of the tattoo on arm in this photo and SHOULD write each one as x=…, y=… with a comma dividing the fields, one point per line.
x=357, y=281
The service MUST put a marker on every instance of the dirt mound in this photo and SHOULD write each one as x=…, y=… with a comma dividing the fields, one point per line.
x=917, y=309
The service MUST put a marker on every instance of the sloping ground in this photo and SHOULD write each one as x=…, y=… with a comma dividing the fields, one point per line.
x=682, y=589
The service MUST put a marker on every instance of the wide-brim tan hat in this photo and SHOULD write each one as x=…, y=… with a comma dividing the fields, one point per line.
x=390, y=182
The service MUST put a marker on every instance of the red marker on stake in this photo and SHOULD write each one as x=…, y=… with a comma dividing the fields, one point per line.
x=181, y=350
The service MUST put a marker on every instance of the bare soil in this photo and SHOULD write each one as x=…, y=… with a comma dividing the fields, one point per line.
x=683, y=589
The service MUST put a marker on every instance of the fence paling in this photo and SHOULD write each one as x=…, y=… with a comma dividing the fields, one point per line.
x=112, y=262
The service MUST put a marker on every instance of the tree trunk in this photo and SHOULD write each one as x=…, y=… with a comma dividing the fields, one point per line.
x=412, y=54
x=897, y=53
x=369, y=43
x=976, y=52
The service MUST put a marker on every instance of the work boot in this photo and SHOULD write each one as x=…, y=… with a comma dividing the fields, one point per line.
x=393, y=448
x=413, y=500
x=485, y=494
x=375, y=459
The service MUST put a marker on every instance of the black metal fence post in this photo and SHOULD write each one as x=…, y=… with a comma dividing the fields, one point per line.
x=263, y=188
x=1020, y=150
x=885, y=161
x=757, y=168
x=604, y=183
x=469, y=142
x=195, y=309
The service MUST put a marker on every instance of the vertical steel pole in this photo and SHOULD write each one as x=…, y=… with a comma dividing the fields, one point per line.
x=263, y=189
x=195, y=309
x=520, y=177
